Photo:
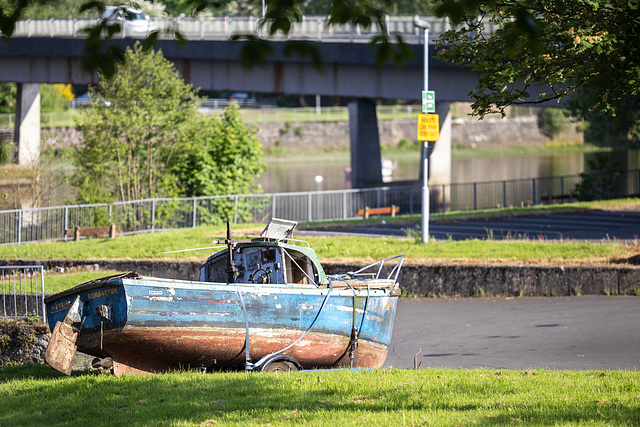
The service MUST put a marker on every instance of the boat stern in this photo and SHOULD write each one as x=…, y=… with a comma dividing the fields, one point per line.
x=84, y=317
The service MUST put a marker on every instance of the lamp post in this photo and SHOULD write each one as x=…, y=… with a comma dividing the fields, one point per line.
x=424, y=25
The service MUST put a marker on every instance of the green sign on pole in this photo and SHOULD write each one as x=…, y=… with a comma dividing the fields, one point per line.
x=428, y=101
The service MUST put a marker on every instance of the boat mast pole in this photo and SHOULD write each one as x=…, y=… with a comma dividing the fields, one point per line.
x=231, y=270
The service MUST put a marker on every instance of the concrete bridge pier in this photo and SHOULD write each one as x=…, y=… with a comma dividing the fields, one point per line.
x=27, y=125
x=366, y=166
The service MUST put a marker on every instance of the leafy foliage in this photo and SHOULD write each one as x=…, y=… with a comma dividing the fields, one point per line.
x=603, y=128
x=8, y=93
x=602, y=180
x=130, y=136
x=545, y=50
x=222, y=141
x=553, y=121
x=53, y=98
x=144, y=138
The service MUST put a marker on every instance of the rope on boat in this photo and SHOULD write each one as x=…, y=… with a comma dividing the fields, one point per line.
x=268, y=356
x=355, y=332
x=247, y=364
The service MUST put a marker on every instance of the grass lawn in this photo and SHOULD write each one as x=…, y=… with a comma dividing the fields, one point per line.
x=38, y=395
x=337, y=248
x=156, y=245
x=54, y=282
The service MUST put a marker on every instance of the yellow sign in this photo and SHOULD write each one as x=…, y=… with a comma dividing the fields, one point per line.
x=428, y=127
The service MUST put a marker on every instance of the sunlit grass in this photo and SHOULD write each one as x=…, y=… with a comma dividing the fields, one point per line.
x=153, y=246
x=54, y=283
x=390, y=397
x=518, y=249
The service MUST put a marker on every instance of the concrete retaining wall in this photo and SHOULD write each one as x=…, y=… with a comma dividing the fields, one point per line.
x=445, y=280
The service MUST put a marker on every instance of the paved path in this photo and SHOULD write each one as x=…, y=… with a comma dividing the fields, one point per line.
x=588, y=225
x=588, y=332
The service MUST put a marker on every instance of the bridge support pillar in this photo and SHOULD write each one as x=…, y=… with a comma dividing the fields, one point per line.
x=27, y=125
x=440, y=164
x=366, y=169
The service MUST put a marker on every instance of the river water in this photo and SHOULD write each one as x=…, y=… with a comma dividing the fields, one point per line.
x=302, y=173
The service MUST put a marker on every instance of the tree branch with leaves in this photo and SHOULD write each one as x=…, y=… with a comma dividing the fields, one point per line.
x=544, y=50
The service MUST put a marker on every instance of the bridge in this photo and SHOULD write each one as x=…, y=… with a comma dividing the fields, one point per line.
x=210, y=61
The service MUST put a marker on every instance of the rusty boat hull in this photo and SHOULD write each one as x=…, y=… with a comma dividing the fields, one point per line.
x=145, y=324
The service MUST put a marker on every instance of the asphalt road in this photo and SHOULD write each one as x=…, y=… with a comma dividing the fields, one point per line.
x=587, y=225
x=582, y=333
x=589, y=332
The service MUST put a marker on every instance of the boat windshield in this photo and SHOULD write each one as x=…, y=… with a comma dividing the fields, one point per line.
x=299, y=268
x=262, y=265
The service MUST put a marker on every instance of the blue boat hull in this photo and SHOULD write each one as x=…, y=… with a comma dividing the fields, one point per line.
x=159, y=324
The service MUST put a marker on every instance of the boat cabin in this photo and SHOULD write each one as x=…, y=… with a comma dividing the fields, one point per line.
x=265, y=260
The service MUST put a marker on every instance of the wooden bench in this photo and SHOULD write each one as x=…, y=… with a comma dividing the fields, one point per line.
x=390, y=210
x=110, y=231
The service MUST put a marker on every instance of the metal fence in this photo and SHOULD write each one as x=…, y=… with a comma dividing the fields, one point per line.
x=140, y=216
x=23, y=291
x=310, y=27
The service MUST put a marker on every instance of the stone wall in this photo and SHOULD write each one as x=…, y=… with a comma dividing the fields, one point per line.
x=314, y=136
x=521, y=131
x=22, y=343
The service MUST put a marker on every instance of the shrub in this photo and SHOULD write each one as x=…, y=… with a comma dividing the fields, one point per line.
x=601, y=182
x=553, y=121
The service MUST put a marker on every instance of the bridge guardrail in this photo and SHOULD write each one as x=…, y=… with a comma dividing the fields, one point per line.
x=310, y=27
x=150, y=215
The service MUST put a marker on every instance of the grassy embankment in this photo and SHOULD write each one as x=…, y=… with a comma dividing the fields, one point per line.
x=40, y=396
x=517, y=250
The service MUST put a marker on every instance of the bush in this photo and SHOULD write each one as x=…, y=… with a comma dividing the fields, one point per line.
x=601, y=182
x=553, y=121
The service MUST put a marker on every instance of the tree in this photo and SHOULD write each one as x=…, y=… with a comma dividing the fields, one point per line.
x=131, y=134
x=142, y=129
x=544, y=50
x=8, y=93
x=225, y=159
x=602, y=128
x=601, y=182
x=54, y=98
x=57, y=9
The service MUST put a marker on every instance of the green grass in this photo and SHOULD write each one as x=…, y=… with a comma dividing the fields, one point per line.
x=555, y=148
x=153, y=245
x=38, y=395
x=54, y=283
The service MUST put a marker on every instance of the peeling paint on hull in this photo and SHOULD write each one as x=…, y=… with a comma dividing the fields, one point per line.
x=165, y=349
x=159, y=324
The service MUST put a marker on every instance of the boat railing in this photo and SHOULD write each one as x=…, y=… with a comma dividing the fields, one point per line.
x=296, y=241
x=393, y=274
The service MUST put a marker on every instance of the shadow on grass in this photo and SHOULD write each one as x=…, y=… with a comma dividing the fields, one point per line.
x=40, y=395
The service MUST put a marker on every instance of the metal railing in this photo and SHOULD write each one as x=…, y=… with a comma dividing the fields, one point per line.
x=23, y=291
x=140, y=216
x=310, y=27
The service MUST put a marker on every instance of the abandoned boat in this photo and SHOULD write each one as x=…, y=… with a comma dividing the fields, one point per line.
x=264, y=304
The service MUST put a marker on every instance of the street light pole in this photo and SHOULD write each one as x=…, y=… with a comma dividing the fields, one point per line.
x=425, y=144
